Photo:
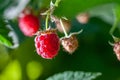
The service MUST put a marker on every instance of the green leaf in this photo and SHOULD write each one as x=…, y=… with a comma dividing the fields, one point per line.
x=5, y=41
x=78, y=75
x=15, y=8
x=70, y=8
x=104, y=12
x=3, y=5
x=4, y=38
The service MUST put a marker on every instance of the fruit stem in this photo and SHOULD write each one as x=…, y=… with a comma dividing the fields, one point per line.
x=49, y=12
x=66, y=35
x=113, y=27
x=46, y=21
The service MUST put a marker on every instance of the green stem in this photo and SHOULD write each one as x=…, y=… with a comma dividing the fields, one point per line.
x=66, y=35
x=57, y=2
x=113, y=27
x=46, y=21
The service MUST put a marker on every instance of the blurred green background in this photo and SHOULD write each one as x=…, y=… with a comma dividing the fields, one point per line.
x=94, y=53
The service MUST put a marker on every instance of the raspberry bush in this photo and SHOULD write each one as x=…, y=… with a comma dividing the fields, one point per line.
x=37, y=36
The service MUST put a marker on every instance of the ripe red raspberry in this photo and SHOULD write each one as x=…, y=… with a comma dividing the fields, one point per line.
x=29, y=24
x=70, y=43
x=47, y=44
x=117, y=49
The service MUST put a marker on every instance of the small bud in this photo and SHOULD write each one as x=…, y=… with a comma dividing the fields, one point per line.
x=83, y=18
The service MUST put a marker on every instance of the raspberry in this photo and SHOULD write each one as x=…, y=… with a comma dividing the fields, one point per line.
x=47, y=44
x=29, y=24
x=117, y=49
x=70, y=44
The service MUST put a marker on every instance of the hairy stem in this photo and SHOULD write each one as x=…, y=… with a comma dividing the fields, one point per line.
x=61, y=23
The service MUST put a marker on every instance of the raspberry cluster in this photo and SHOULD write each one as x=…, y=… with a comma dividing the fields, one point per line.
x=47, y=42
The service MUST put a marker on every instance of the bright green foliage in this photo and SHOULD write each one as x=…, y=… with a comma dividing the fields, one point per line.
x=70, y=8
x=4, y=38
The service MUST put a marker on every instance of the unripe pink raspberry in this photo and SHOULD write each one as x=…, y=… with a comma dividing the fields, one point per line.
x=117, y=49
x=70, y=44
x=47, y=44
